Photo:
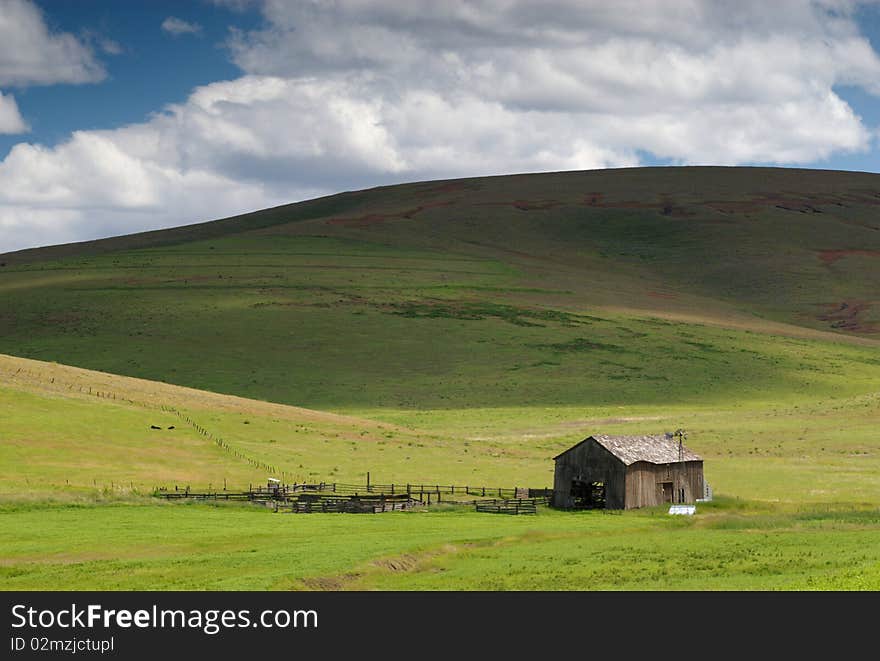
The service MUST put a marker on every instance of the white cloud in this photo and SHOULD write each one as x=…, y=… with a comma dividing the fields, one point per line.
x=176, y=27
x=259, y=141
x=31, y=54
x=352, y=94
x=111, y=47
x=10, y=119
x=743, y=84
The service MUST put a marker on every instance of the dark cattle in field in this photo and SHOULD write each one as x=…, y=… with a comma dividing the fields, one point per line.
x=154, y=427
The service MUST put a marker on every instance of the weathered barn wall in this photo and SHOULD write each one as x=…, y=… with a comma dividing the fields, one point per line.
x=644, y=483
x=652, y=481
x=589, y=462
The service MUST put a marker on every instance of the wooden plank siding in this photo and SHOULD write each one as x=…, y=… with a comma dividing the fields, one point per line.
x=644, y=483
x=589, y=462
x=634, y=471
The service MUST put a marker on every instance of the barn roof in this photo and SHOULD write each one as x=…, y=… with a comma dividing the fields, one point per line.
x=653, y=448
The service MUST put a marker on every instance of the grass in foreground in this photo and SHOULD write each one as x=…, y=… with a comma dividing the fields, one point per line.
x=163, y=547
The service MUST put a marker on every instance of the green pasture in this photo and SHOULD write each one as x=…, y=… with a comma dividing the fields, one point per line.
x=804, y=432
x=797, y=508
x=340, y=325
x=180, y=546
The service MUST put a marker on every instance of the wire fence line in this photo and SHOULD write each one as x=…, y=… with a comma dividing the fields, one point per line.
x=225, y=445
x=105, y=393
x=284, y=491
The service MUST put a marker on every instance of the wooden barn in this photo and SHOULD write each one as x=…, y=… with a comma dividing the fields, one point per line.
x=624, y=472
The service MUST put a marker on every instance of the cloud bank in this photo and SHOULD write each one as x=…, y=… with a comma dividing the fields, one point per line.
x=350, y=94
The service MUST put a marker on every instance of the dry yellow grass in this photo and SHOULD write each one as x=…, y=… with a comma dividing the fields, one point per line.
x=44, y=378
x=67, y=429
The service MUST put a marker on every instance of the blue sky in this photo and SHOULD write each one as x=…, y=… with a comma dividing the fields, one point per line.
x=122, y=116
x=152, y=68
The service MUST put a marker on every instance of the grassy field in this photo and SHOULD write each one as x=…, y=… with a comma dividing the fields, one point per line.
x=799, y=486
x=161, y=547
x=461, y=332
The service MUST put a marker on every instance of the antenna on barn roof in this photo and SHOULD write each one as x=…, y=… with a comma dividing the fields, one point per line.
x=682, y=434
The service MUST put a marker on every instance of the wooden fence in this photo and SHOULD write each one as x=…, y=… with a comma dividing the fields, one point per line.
x=360, y=498
x=399, y=488
x=508, y=506
x=206, y=495
x=420, y=490
x=347, y=505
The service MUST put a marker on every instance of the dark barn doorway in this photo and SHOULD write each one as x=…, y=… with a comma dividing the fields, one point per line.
x=588, y=495
x=667, y=491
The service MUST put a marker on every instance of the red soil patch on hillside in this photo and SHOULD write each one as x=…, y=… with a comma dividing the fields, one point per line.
x=799, y=202
x=449, y=187
x=806, y=204
x=598, y=200
x=845, y=316
x=665, y=205
x=660, y=294
x=524, y=205
x=828, y=257
x=760, y=201
x=376, y=218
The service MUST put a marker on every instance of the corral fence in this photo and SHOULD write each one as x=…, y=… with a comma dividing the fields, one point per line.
x=206, y=495
x=351, y=505
x=508, y=506
x=359, y=498
x=421, y=488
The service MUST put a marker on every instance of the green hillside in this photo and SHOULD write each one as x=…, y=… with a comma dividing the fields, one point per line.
x=475, y=293
x=465, y=332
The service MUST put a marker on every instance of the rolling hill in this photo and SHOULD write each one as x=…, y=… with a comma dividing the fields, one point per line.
x=472, y=293
x=463, y=331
